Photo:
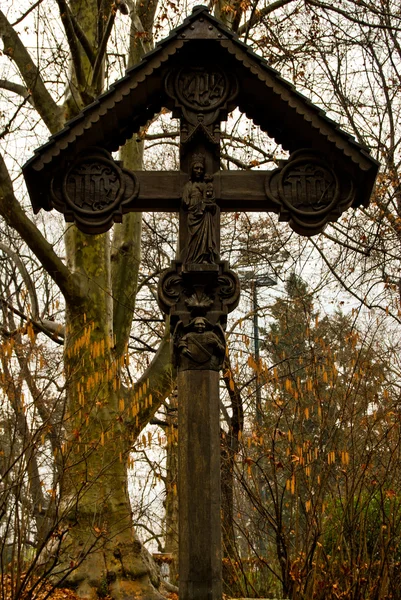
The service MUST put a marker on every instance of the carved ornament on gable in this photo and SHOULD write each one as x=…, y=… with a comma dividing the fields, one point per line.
x=201, y=93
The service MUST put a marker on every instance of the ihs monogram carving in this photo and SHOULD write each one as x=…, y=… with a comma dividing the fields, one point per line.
x=202, y=93
x=94, y=190
x=308, y=192
x=309, y=187
x=92, y=186
x=202, y=89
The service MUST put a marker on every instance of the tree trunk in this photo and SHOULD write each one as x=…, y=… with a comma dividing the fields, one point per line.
x=100, y=549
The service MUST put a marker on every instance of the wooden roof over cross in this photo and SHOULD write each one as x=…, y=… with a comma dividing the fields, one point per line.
x=262, y=94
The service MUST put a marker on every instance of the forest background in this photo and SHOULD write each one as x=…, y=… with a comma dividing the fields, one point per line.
x=310, y=427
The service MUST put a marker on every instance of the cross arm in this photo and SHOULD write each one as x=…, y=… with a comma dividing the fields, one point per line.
x=234, y=191
x=306, y=191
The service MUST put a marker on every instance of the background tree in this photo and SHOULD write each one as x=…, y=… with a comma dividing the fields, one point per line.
x=318, y=477
x=98, y=281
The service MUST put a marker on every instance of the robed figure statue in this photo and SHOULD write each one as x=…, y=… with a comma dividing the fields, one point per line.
x=199, y=345
x=199, y=202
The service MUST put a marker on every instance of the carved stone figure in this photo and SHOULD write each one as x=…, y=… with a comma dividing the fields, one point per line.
x=199, y=202
x=200, y=345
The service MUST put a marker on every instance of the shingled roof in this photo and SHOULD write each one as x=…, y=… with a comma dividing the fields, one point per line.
x=264, y=96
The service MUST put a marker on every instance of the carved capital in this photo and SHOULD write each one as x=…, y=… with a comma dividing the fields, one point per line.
x=93, y=190
x=309, y=192
x=187, y=291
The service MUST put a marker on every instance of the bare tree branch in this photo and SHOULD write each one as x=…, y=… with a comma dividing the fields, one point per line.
x=26, y=13
x=44, y=103
x=257, y=16
x=102, y=48
x=83, y=40
x=7, y=128
x=66, y=18
x=16, y=88
x=15, y=217
x=26, y=278
x=350, y=16
x=54, y=331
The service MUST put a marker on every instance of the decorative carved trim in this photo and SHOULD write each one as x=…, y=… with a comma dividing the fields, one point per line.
x=170, y=288
x=196, y=290
x=93, y=191
x=228, y=286
x=309, y=192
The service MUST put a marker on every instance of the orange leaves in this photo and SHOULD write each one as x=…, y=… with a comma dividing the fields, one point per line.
x=331, y=457
x=252, y=363
x=30, y=332
x=7, y=347
x=248, y=462
x=81, y=342
x=290, y=484
x=172, y=435
x=142, y=400
x=52, y=493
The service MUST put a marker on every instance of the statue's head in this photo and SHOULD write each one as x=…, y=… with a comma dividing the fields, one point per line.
x=200, y=324
x=198, y=167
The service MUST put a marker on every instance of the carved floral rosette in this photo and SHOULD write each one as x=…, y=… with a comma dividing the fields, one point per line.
x=93, y=191
x=309, y=192
x=198, y=290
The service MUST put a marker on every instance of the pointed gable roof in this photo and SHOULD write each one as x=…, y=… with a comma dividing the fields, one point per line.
x=264, y=96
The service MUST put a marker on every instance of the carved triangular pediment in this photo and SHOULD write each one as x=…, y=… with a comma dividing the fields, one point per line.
x=201, y=49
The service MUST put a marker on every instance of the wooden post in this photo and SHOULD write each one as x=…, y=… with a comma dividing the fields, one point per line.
x=200, y=566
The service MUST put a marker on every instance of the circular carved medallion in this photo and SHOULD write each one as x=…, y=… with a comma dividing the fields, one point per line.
x=93, y=184
x=202, y=88
x=308, y=187
x=309, y=192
